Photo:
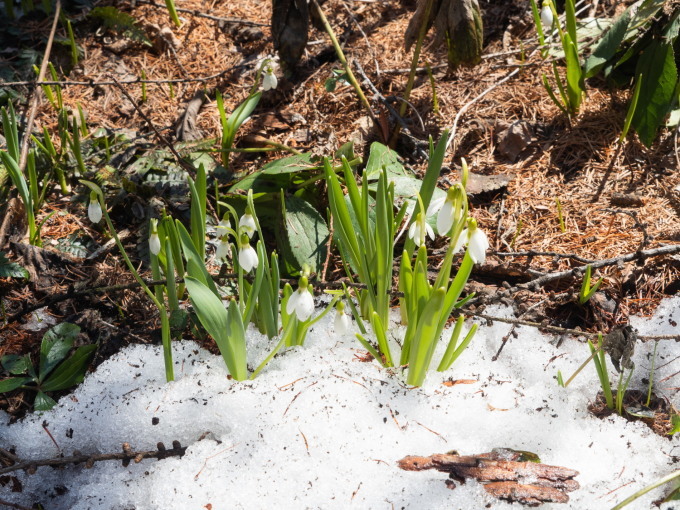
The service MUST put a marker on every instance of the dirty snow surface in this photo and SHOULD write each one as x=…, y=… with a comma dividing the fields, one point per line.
x=321, y=429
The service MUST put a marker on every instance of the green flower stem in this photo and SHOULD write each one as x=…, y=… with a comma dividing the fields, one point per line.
x=343, y=61
x=165, y=323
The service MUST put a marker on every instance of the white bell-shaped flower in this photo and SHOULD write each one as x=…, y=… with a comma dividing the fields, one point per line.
x=223, y=226
x=419, y=229
x=247, y=256
x=269, y=79
x=94, y=209
x=476, y=241
x=450, y=209
x=154, y=243
x=342, y=321
x=546, y=16
x=301, y=301
x=247, y=224
x=223, y=250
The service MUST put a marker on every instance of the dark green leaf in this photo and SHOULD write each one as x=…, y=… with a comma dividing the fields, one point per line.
x=55, y=345
x=305, y=234
x=16, y=365
x=11, y=269
x=609, y=45
x=71, y=371
x=291, y=164
x=43, y=402
x=659, y=78
x=13, y=383
x=121, y=23
x=382, y=156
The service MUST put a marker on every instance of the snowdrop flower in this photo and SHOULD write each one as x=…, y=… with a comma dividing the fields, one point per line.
x=154, y=240
x=94, y=210
x=342, y=321
x=419, y=229
x=269, y=80
x=301, y=301
x=223, y=226
x=247, y=223
x=247, y=256
x=450, y=208
x=475, y=239
x=224, y=250
x=546, y=16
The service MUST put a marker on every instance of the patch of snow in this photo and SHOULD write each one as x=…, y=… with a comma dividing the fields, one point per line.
x=320, y=429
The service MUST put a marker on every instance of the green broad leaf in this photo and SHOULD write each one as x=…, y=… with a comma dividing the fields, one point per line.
x=218, y=322
x=242, y=112
x=346, y=151
x=290, y=164
x=15, y=364
x=11, y=269
x=55, y=346
x=673, y=496
x=382, y=156
x=304, y=234
x=608, y=45
x=13, y=383
x=260, y=182
x=71, y=371
x=42, y=402
x=659, y=79
x=195, y=265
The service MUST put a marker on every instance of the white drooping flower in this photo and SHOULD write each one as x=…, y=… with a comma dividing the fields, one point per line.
x=301, y=301
x=247, y=256
x=247, y=224
x=224, y=249
x=154, y=243
x=476, y=241
x=223, y=226
x=546, y=16
x=342, y=321
x=269, y=80
x=450, y=209
x=419, y=229
x=94, y=209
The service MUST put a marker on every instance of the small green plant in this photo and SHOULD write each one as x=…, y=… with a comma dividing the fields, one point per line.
x=560, y=215
x=236, y=119
x=56, y=369
x=572, y=89
x=170, y=4
x=587, y=290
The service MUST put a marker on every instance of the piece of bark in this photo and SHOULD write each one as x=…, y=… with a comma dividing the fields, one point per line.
x=525, y=494
x=514, y=139
x=503, y=475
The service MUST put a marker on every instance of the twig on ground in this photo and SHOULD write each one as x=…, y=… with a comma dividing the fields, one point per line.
x=126, y=456
x=638, y=255
x=531, y=253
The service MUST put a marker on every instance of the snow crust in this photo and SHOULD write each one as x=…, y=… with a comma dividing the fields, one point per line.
x=320, y=429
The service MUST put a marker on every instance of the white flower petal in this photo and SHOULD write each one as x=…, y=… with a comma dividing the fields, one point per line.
x=445, y=218
x=461, y=241
x=341, y=323
x=413, y=231
x=247, y=224
x=94, y=211
x=292, y=303
x=269, y=81
x=435, y=205
x=247, y=258
x=222, y=227
x=223, y=250
x=154, y=244
x=546, y=17
x=477, y=246
x=429, y=231
x=305, y=305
